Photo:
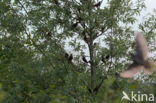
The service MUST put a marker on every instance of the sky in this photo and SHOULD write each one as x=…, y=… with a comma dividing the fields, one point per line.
x=151, y=4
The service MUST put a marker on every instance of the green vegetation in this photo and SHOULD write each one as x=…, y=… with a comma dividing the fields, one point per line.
x=33, y=65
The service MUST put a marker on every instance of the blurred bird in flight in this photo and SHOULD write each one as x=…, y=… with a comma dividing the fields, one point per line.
x=141, y=62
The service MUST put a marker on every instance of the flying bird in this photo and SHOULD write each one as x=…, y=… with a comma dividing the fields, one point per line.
x=141, y=62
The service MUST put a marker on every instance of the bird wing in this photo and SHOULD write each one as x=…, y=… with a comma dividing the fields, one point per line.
x=132, y=71
x=141, y=48
x=150, y=66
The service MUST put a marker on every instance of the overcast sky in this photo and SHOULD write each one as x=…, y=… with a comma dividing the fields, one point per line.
x=151, y=4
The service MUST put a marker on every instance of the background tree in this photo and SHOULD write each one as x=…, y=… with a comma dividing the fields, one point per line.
x=35, y=66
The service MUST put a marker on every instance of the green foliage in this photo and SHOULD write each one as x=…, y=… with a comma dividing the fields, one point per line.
x=33, y=68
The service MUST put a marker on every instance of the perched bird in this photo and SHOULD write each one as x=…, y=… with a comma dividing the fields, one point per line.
x=107, y=57
x=69, y=57
x=86, y=38
x=75, y=25
x=95, y=44
x=49, y=34
x=104, y=59
x=78, y=20
x=141, y=62
x=98, y=4
x=56, y=2
x=84, y=59
x=66, y=55
x=79, y=9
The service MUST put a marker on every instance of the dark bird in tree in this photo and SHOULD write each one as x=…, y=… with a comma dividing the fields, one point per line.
x=56, y=2
x=102, y=29
x=75, y=25
x=84, y=59
x=98, y=4
x=79, y=19
x=90, y=91
x=104, y=59
x=49, y=34
x=79, y=9
x=69, y=57
x=66, y=55
x=95, y=44
x=86, y=39
x=141, y=62
x=107, y=57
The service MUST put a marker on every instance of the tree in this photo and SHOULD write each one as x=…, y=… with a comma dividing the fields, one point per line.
x=34, y=65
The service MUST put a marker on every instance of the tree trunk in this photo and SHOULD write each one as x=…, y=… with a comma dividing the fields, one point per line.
x=92, y=66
